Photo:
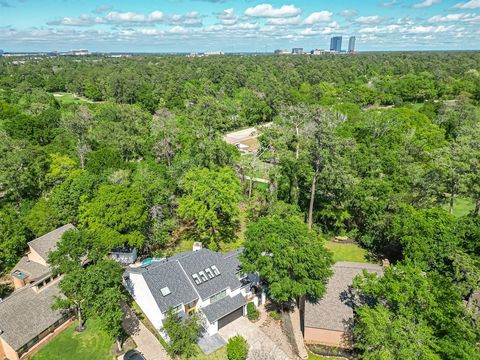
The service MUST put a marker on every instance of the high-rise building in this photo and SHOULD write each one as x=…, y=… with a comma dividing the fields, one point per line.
x=1, y=52
x=297, y=51
x=351, y=44
x=336, y=43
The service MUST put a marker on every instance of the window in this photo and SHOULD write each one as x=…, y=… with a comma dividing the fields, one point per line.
x=218, y=296
x=209, y=273
x=165, y=291
x=215, y=270
x=196, y=278
x=203, y=276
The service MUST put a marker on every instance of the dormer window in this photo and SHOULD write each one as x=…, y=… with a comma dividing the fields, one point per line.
x=203, y=276
x=215, y=270
x=196, y=278
x=209, y=273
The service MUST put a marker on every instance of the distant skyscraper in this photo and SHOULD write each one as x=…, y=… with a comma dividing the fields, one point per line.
x=351, y=44
x=1, y=52
x=336, y=43
x=297, y=51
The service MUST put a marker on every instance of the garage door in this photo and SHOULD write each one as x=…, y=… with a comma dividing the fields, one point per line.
x=230, y=317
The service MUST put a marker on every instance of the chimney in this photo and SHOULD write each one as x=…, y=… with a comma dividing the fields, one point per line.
x=197, y=246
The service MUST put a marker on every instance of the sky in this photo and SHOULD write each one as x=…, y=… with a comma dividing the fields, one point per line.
x=237, y=25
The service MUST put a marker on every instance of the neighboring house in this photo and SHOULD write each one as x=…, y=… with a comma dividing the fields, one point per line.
x=124, y=255
x=328, y=320
x=203, y=282
x=26, y=316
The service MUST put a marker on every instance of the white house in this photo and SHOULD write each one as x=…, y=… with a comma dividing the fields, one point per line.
x=203, y=282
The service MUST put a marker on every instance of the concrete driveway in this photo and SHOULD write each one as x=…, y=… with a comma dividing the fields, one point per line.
x=258, y=341
x=147, y=343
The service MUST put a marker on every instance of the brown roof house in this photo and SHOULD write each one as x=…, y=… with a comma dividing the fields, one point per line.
x=327, y=321
x=26, y=317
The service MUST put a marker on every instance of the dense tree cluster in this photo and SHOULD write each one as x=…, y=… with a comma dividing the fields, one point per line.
x=380, y=147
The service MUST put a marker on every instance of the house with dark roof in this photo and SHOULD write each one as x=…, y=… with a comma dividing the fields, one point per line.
x=327, y=321
x=201, y=282
x=26, y=316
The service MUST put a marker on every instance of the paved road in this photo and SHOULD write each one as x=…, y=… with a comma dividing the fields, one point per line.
x=147, y=343
x=258, y=341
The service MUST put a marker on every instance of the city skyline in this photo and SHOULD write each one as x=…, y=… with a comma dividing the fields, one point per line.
x=237, y=26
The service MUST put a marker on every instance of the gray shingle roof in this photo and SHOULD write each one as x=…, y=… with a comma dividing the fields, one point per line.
x=25, y=314
x=46, y=243
x=170, y=274
x=32, y=268
x=334, y=311
x=223, y=307
x=176, y=273
x=193, y=262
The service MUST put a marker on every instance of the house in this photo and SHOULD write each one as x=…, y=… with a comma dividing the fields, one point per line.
x=204, y=282
x=124, y=255
x=26, y=317
x=327, y=321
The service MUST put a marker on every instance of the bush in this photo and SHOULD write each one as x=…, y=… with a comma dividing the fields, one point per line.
x=237, y=348
x=252, y=312
x=275, y=315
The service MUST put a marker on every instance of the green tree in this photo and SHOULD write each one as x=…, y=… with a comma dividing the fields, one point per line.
x=182, y=333
x=293, y=260
x=22, y=169
x=66, y=198
x=237, y=348
x=13, y=236
x=211, y=204
x=117, y=215
x=42, y=218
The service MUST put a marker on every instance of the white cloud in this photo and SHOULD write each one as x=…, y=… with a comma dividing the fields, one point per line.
x=320, y=16
x=178, y=30
x=455, y=17
x=472, y=4
x=125, y=17
x=244, y=26
x=348, y=13
x=426, y=3
x=268, y=11
x=369, y=19
x=285, y=21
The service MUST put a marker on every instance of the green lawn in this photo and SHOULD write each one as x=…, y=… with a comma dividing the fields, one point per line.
x=91, y=344
x=461, y=206
x=346, y=252
x=312, y=356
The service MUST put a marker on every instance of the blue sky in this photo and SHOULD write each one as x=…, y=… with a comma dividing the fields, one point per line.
x=237, y=25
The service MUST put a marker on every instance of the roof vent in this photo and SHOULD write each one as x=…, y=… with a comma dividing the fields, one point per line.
x=165, y=291
x=197, y=246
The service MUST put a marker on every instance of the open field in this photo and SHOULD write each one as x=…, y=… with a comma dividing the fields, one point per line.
x=91, y=344
x=69, y=98
x=461, y=207
x=347, y=252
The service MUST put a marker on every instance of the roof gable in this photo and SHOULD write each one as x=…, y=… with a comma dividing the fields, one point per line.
x=46, y=243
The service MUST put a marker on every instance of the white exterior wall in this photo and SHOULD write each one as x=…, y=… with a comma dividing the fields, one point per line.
x=144, y=298
x=212, y=329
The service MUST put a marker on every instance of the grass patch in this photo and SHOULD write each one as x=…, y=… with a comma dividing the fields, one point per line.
x=220, y=354
x=312, y=356
x=461, y=206
x=91, y=344
x=347, y=252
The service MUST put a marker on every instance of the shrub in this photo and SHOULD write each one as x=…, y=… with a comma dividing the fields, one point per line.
x=237, y=348
x=275, y=315
x=252, y=312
